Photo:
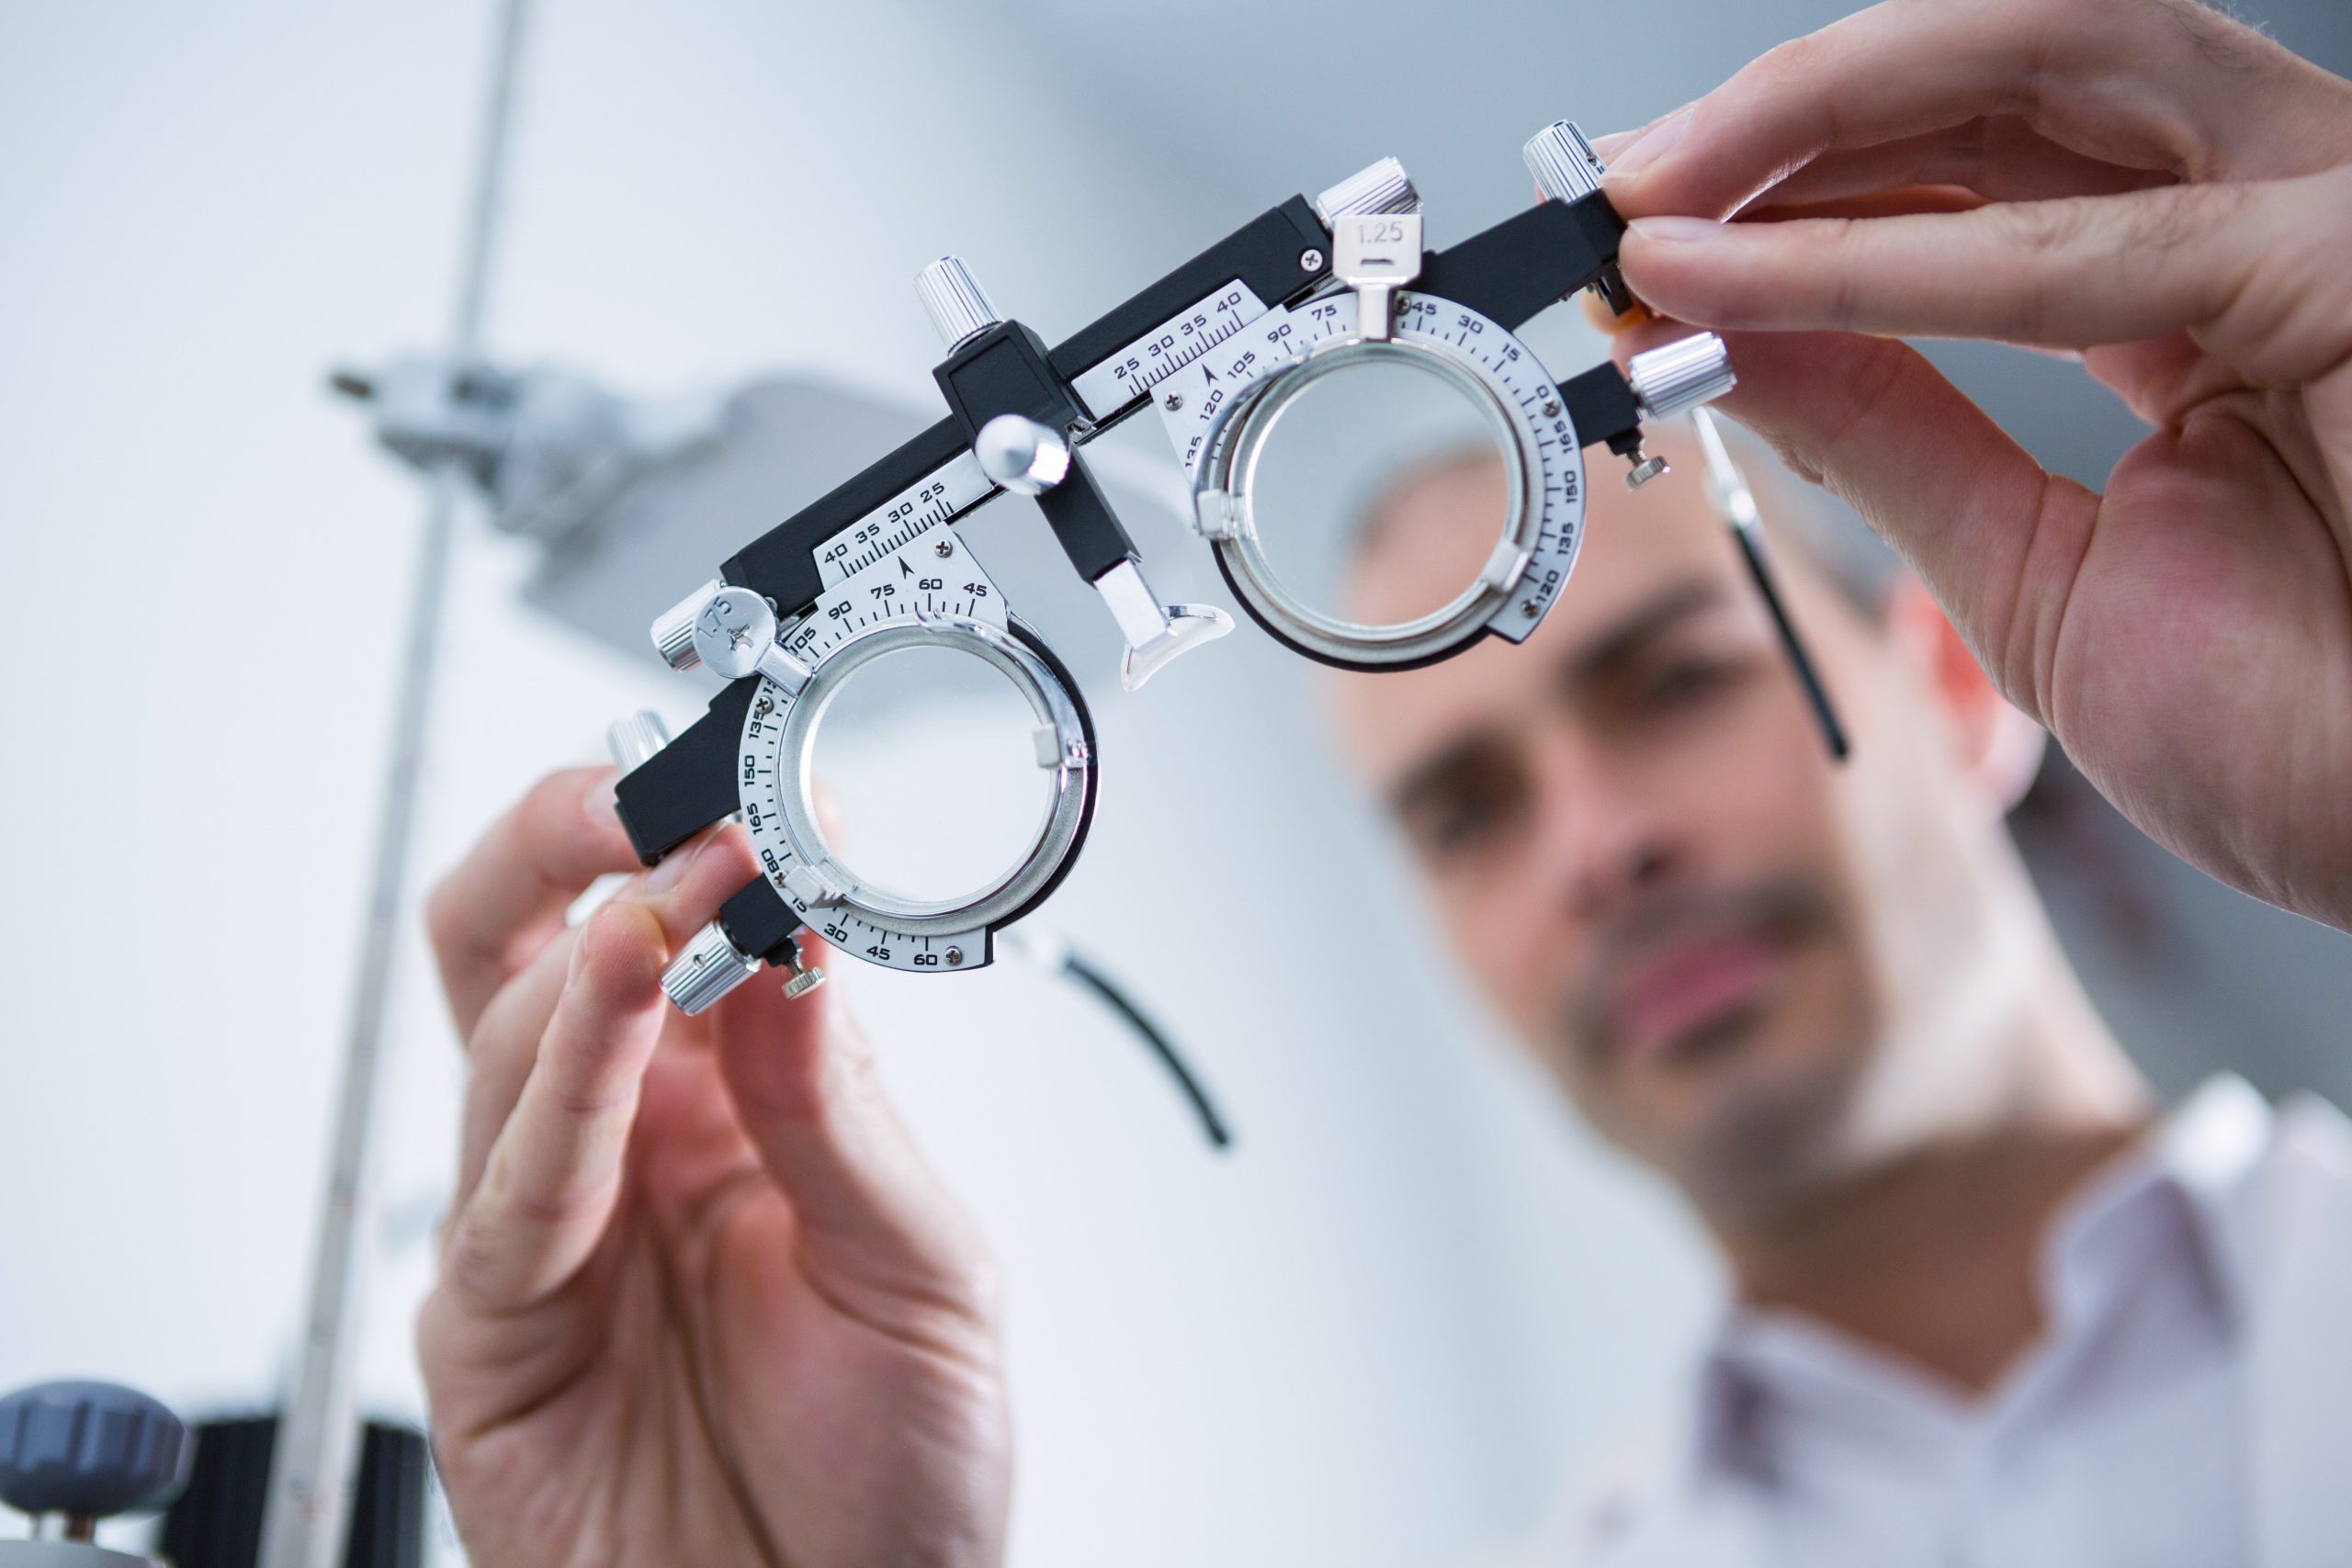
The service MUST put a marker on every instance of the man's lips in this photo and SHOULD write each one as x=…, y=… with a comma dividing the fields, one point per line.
x=1668, y=996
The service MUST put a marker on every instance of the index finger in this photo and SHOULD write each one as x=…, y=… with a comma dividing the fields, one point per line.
x=2145, y=83
x=506, y=900
x=2254, y=271
x=544, y=1190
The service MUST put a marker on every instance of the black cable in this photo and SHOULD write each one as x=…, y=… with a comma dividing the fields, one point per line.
x=1117, y=1000
x=1833, y=734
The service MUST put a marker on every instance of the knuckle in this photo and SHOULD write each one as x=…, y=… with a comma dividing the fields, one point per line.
x=2045, y=237
x=1845, y=242
x=2285, y=307
x=589, y=1093
x=2162, y=219
x=470, y=1259
x=2035, y=228
x=2218, y=40
x=1790, y=62
x=583, y=1200
x=979, y=1277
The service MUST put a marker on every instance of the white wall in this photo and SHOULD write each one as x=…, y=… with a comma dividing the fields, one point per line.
x=1368, y=1337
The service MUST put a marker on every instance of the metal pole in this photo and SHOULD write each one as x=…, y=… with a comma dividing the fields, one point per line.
x=307, y=1516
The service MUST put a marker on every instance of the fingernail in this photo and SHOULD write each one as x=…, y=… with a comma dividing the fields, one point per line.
x=1653, y=146
x=1677, y=230
x=674, y=866
x=579, y=959
x=600, y=801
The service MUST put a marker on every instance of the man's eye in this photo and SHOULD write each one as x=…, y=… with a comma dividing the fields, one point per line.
x=1685, y=683
x=1463, y=820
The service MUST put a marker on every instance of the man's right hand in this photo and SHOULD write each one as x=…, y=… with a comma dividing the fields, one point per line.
x=700, y=1302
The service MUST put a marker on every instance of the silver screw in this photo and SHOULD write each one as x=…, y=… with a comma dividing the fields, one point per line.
x=954, y=956
x=1552, y=408
x=1644, y=472
x=1173, y=402
x=942, y=548
x=1310, y=260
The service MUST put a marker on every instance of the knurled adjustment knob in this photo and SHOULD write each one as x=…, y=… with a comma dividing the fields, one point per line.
x=87, y=1450
x=1564, y=163
x=636, y=740
x=708, y=967
x=958, y=305
x=1680, y=376
x=1375, y=191
x=674, y=633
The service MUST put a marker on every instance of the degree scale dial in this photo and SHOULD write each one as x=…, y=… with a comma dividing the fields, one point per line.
x=1219, y=410
x=930, y=592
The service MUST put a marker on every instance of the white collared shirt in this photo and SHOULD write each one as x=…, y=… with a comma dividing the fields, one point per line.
x=2189, y=1403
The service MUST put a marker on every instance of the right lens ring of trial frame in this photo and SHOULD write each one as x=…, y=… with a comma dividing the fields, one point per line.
x=1238, y=440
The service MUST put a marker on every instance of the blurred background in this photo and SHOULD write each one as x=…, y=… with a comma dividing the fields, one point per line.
x=1415, y=1295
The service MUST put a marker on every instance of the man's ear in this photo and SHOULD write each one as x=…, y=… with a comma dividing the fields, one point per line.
x=2000, y=747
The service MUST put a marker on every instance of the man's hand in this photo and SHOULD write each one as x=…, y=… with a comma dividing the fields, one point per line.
x=2168, y=194
x=700, y=1302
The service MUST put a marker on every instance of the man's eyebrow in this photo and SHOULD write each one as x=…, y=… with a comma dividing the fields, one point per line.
x=1623, y=639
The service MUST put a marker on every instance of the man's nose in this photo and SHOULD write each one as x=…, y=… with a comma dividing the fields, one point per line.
x=1603, y=837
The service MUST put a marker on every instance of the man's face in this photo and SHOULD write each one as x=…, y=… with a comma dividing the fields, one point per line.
x=1727, y=948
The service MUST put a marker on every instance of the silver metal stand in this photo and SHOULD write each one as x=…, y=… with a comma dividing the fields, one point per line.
x=307, y=1514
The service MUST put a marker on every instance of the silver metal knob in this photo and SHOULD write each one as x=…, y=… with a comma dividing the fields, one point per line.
x=708, y=968
x=958, y=305
x=1383, y=187
x=733, y=629
x=736, y=636
x=804, y=978
x=674, y=632
x=1564, y=163
x=1022, y=454
x=1680, y=376
x=634, y=740
x=1646, y=469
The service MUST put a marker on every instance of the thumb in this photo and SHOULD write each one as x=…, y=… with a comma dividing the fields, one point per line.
x=2256, y=272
